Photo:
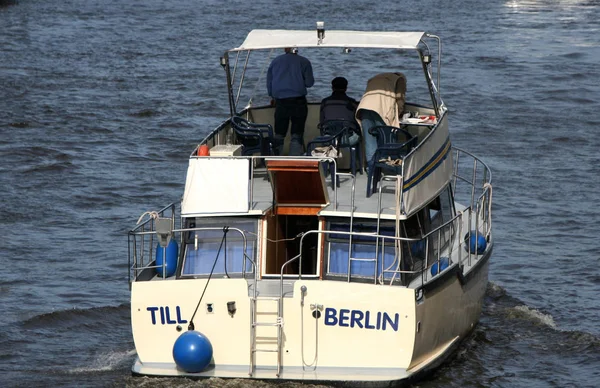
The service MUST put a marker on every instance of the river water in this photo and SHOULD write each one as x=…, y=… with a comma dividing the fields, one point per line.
x=101, y=103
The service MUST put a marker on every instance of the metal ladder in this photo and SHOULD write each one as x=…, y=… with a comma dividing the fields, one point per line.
x=399, y=179
x=351, y=229
x=278, y=324
x=377, y=239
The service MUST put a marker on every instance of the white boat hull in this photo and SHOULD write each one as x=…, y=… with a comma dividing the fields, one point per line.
x=410, y=339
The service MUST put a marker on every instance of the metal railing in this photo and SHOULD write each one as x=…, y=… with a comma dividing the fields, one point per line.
x=142, y=242
x=471, y=187
x=140, y=252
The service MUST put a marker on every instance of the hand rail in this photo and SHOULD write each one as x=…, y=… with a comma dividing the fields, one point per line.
x=137, y=268
x=468, y=169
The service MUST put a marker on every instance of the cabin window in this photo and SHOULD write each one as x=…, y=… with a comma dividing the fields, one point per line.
x=441, y=210
x=435, y=213
x=202, y=246
x=446, y=204
x=363, y=247
x=415, y=227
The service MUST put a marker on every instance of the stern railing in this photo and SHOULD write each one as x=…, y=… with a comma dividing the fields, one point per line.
x=142, y=243
x=141, y=252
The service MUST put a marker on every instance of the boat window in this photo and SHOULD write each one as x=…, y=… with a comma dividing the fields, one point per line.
x=435, y=213
x=447, y=204
x=440, y=211
x=415, y=227
x=202, y=246
x=448, y=213
x=363, y=247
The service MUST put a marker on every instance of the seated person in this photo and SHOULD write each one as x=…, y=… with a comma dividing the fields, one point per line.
x=339, y=106
x=382, y=104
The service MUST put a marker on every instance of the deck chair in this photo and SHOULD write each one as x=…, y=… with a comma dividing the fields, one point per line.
x=393, y=144
x=340, y=134
x=255, y=138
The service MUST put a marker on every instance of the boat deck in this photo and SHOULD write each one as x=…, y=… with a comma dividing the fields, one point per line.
x=364, y=207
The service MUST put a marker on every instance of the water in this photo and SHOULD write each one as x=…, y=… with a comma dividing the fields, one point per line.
x=101, y=103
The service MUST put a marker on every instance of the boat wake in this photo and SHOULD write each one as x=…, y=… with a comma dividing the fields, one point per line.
x=106, y=362
x=500, y=302
x=76, y=316
x=532, y=315
x=509, y=333
x=517, y=321
x=214, y=382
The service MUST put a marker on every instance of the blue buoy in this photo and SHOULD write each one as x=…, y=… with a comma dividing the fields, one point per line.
x=477, y=242
x=171, y=261
x=444, y=263
x=192, y=351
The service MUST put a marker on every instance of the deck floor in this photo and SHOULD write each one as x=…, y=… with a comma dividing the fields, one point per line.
x=363, y=207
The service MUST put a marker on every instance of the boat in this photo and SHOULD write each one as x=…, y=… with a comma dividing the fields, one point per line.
x=291, y=268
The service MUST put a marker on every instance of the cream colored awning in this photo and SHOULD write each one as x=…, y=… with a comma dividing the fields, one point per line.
x=270, y=39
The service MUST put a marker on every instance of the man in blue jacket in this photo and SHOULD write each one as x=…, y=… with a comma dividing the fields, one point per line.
x=288, y=77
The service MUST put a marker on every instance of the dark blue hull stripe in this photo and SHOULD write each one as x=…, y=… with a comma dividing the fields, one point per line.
x=433, y=163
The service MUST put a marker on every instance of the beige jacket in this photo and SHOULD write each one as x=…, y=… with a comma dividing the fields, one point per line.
x=385, y=94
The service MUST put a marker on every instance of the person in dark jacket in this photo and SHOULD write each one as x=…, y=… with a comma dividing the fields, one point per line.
x=338, y=106
x=288, y=77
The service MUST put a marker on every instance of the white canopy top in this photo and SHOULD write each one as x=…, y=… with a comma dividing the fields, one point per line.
x=269, y=39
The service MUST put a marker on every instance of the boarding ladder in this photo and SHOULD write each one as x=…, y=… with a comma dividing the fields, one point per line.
x=351, y=229
x=265, y=343
x=377, y=232
x=399, y=179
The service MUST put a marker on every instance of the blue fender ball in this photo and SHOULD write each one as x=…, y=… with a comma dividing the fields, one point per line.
x=171, y=261
x=477, y=242
x=192, y=351
x=444, y=263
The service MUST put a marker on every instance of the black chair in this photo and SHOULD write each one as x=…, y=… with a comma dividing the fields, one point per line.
x=341, y=134
x=255, y=138
x=393, y=144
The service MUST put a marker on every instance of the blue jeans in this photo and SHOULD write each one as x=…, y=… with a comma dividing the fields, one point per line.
x=369, y=119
